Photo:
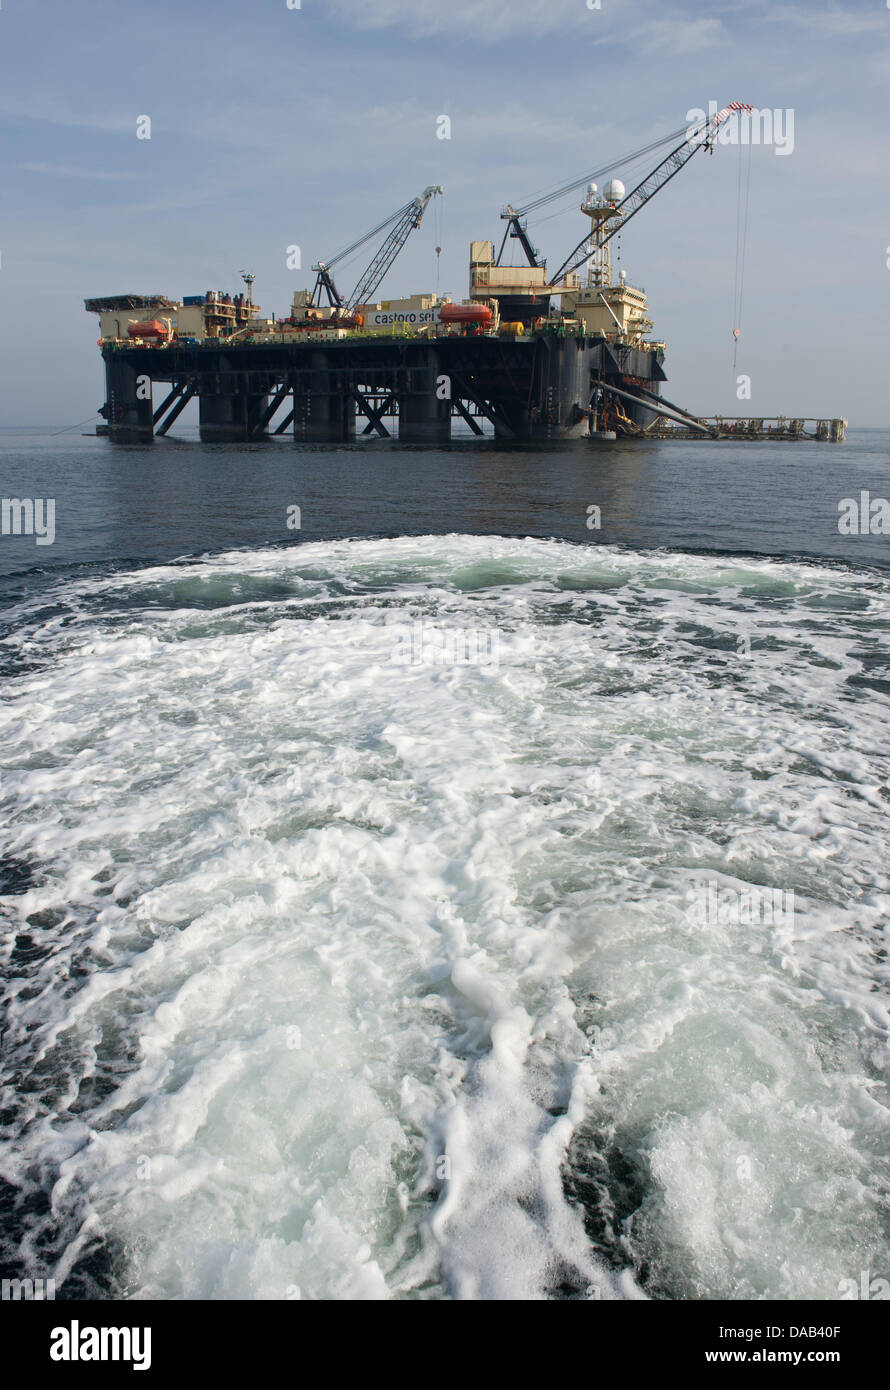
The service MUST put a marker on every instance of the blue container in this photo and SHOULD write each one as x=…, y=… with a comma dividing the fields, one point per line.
x=193, y=299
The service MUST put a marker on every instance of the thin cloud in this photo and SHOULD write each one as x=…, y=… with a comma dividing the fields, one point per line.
x=470, y=20
x=71, y=171
x=44, y=107
x=495, y=19
x=612, y=21
x=836, y=21
x=675, y=37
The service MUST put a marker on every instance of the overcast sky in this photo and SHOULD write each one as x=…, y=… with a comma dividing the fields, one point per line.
x=273, y=126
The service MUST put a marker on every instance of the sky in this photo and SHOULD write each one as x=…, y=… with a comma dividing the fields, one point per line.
x=274, y=126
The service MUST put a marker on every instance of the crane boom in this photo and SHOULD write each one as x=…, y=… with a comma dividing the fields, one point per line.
x=408, y=218
x=701, y=138
x=401, y=222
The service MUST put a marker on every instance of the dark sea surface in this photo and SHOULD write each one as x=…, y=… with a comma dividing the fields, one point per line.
x=447, y=899
x=131, y=504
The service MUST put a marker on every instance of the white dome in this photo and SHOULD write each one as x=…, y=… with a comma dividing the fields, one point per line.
x=614, y=191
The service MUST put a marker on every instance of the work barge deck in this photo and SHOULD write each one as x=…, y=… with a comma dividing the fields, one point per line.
x=539, y=387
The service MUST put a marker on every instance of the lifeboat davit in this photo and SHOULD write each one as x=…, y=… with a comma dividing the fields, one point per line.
x=151, y=328
x=465, y=313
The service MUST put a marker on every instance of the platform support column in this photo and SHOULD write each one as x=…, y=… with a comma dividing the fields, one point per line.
x=229, y=410
x=128, y=402
x=560, y=389
x=425, y=403
x=324, y=408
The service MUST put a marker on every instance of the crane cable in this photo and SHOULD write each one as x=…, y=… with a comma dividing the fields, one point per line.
x=75, y=426
x=438, y=218
x=381, y=226
x=542, y=198
x=622, y=166
x=741, y=246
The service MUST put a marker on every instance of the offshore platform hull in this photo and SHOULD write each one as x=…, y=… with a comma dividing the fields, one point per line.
x=527, y=388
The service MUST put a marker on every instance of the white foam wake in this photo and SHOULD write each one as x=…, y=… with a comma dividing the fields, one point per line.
x=340, y=977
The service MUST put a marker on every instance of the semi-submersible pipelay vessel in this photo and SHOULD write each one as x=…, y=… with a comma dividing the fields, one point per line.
x=537, y=356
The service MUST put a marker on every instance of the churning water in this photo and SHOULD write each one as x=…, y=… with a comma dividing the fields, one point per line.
x=334, y=975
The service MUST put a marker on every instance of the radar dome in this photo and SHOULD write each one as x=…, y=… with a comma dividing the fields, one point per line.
x=614, y=191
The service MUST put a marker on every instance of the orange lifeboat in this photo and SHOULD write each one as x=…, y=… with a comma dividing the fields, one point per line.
x=151, y=328
x=465, y=313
